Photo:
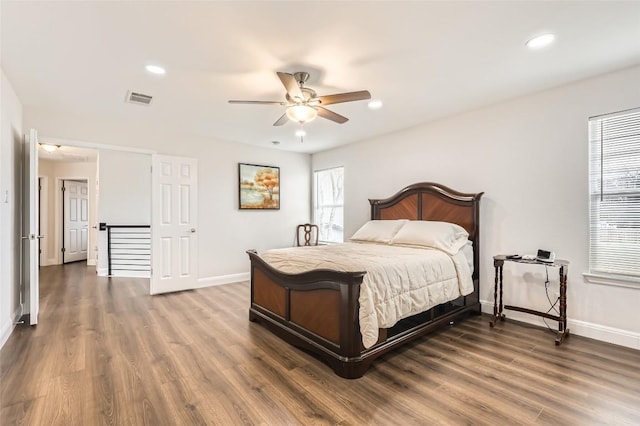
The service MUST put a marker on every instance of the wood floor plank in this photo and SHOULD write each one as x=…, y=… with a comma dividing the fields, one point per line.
x=305, y=407
x=525, y=384
x=357, y=402
x=183, y=402
x=107, y=353
x=65, y=403
x=22, y=413
x=22, y=381
x=465, y=380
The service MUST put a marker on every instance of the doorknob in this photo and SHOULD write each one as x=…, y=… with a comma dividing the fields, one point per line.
x=192, y=230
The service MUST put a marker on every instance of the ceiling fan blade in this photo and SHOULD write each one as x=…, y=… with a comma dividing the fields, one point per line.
x=345, y=97
x=290, y=83
x=330, y=115
x=282, y=120
x=258, y=102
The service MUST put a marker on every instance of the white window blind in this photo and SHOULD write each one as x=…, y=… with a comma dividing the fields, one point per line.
x=614, y=213
x=329, y=204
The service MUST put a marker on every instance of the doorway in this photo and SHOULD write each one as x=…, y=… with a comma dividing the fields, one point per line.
x=125, y=177
x=75, y=220
x=65, y=220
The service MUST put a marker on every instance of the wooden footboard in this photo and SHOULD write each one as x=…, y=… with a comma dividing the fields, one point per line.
x=316, y=310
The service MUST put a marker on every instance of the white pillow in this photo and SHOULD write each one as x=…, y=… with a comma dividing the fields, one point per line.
x=444, y=236
x=378, y=231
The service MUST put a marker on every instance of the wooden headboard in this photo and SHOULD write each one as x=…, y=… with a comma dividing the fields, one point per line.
x=432, y=201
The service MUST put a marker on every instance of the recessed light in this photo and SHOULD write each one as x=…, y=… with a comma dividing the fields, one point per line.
x=49, y=147
x=155, y=69
x=375, y=104
x=301, y=133
x=540, y=41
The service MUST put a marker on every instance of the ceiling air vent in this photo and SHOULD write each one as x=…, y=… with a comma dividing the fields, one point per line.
x=138, y=98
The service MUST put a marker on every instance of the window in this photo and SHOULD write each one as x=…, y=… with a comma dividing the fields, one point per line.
x=328, y=204
x=614, y=182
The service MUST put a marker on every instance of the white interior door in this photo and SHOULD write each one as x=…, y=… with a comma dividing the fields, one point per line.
x=30, y=232
x=174, y=224
x=76, y=220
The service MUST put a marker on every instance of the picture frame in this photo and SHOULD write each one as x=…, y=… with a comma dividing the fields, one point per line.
x=258, y=187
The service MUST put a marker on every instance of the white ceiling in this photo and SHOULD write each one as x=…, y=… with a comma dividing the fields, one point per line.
x=68, y=154
x=424, y=60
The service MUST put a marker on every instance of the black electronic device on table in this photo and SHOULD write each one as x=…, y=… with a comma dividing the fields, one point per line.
x=546, y=256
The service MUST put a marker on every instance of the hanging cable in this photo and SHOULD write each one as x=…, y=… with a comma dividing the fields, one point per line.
x=552, y=304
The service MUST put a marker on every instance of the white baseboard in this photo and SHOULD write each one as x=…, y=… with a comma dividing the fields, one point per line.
x=603, y=333
x=50, y=261
x=54, y=261
x=102, y=272
x=223, y=279
x=9, y=325
x=131, y=274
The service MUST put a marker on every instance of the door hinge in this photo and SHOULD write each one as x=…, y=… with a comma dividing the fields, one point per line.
x=62, y=249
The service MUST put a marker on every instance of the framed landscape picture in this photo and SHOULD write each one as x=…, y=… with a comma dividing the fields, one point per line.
x=259, y=187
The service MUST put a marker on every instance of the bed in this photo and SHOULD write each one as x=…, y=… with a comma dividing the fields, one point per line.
x=319, y=310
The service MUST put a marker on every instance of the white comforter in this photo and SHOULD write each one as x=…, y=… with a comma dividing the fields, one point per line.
x=400, y=281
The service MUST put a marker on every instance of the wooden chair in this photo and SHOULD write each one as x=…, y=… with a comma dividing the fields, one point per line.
x=309, y=233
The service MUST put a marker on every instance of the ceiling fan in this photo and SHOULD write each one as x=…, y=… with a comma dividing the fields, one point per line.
x=303, y=104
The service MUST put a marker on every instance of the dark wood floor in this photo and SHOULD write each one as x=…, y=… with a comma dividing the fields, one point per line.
x=107, y=353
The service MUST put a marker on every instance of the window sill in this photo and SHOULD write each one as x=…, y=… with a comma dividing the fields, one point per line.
x=629, y=282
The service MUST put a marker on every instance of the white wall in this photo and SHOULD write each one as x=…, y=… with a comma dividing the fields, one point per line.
x=530, y=157
x=125, y=188
x=225, y=232
x=51, y=214
x=125, y=194
x=11, y=132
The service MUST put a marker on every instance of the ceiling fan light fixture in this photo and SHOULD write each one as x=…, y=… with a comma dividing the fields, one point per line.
x=375, y=104
x=301, y=113
x=304, y=105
